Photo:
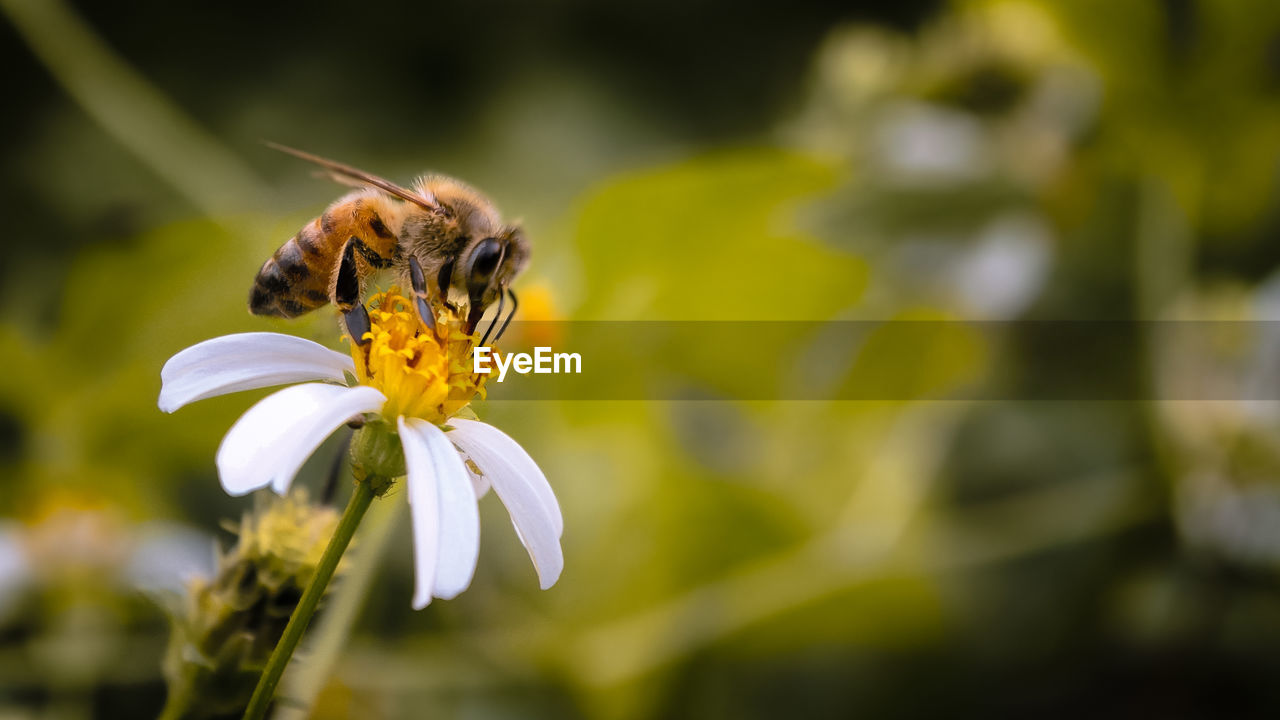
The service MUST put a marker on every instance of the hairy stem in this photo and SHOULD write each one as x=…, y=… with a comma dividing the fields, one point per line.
x=341, y=609
x=301, y=617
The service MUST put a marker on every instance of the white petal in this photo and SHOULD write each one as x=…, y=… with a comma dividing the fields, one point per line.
x=523, y=489
x=438, y=483
x=479, y=483
x=270, y=442
x=424, y=509
x=244, y=362
x=501, y=454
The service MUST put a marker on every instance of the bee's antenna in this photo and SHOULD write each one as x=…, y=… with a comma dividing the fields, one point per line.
x=496, y=317
x=514, y=305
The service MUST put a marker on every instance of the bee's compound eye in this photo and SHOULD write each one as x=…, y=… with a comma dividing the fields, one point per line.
x=484, y=259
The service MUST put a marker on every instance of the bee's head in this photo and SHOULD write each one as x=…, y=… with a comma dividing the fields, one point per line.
x=489, y=266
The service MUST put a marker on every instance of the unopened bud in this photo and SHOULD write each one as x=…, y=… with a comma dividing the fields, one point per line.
x=377, y=457
x=232, y=622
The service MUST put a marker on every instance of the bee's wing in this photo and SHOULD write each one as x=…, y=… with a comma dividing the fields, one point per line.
x=348, y=175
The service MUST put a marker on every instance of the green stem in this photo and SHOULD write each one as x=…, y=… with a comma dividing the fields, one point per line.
x=181, y=697
x=341, y=609
x=351, y=517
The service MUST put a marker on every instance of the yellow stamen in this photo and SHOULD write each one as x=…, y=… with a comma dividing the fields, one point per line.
x=422, y=373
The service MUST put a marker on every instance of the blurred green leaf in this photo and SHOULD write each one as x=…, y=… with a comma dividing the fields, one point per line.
x=714, y=237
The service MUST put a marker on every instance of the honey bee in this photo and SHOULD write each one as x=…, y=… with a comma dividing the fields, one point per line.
x=441, y=229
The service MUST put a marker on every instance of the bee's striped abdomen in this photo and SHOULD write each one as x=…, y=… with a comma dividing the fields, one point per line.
x=298, y=277
x=295, y=280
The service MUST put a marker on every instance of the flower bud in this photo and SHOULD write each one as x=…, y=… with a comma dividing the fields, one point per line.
x=230, y=624
x=377, y=456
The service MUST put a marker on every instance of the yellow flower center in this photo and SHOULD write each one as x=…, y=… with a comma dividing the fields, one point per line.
x=422, y=373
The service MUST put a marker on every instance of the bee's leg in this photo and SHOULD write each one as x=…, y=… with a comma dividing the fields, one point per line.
x=443, y=278
x=369, y=254
x=346, y=295
x=357, y=321
x=420, y=297
x=514, y=305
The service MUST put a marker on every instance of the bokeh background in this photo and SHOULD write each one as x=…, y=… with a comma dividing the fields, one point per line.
x=1009, y=161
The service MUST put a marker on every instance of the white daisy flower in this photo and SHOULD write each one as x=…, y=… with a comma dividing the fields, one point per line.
x=410, y=382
